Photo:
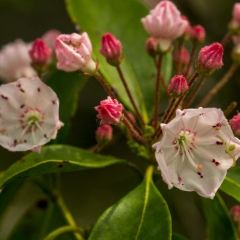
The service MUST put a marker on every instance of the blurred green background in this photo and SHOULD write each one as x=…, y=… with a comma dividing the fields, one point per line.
x=89, y=193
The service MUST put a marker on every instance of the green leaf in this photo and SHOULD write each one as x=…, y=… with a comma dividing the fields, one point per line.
x=141, y=214
x=219, y=223
x=177, y=236
x=122, y=18
x=231, y=184
x=56, y=158
x=39, y=220
x=67, y=87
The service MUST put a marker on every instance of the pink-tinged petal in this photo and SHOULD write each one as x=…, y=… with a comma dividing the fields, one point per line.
x=196, y=150
x=28, y=114
x=74, y=52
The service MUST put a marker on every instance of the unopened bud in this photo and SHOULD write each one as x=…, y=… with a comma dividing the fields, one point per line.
x=111, y=49
x=235, y=124
x=209, y=59
x=236, y=54
x=197, y=35
x=187, y=31
x=104, y=134
x=235, y=213
x=40, y=53
x=182, y=58
x=177, y=86
x=234, y=25
x=151, y=47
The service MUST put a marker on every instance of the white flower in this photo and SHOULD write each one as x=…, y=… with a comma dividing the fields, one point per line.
x=197, y=148
x=15, y=61
x=29, y=115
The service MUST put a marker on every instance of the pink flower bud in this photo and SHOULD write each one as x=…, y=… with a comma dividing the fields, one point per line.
x=236, y=13
x=177, y=86
x=74, y=52
x=151, y=47
x=235, y=124
x=40, y=53
x=165, y=24
x=29, y=115
x=197, y=35
x=15, y=61
x=209, y=59
x=104, y=134
x=109, y=111
x=235, y=213
x=50, y=38
x=181, y=57
x=111, y=49
x=187, y=30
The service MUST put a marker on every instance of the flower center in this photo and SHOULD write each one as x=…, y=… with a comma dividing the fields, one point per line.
x=185, y=144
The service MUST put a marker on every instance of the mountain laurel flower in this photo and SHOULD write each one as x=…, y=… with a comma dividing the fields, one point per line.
x=235, y=124
x=15, y=61
x=165, y=24
x=177, y=86
x=209, y=59
x=40, y=53
x=50, y=37
x=182, y=58
x=104, y=134
x=109, y=111
x=197, y=35
x=235, y=213
x=187, y=30
x=196, y=150
x=74, y=52
x=29, y=115
x=111, y=49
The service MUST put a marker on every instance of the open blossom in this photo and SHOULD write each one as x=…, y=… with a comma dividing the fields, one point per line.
x=165, y=24
x=109, y=111
x=196, y=150
x=29, y=115
x=15, y=61
x=74, y=52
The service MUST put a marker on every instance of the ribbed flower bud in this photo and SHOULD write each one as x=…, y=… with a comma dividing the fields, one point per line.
x=40, y=53
x=177, y=86
x=111, y=49
x=104, y=134
x=235, y=124
x=209, y=59
x=164, y=23
x=197, y=35
x=109, y=111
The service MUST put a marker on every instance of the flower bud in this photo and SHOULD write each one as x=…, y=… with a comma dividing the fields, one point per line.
x=74, y=52
x=235, y=124
x=187, y=30
x=104, y=134
x=40, y=53
x=181, y=58
x=109, y=111
x=197, y=35
x=164, y=23
x=177, y=86
x=111, y=49
x=151, y=47
x=235, y=213
x=209, y=59
x=234, y=25
x=236, y=54
x=50, y=38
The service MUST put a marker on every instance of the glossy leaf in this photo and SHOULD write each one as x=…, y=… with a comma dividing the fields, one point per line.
x=56, y=158
x=67, y=87
x=219, y=224
x=40, y=219
x=122, y=18
x=231, y=184
x=141, y=214
x=176, y=236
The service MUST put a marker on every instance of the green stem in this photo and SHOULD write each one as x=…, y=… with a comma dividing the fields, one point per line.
x=120, y=73
x=157, y=92
x=230, y=108
x=62, y=230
